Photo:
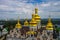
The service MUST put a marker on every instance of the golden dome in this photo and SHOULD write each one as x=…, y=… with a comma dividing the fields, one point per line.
x=49, y=25
x=26, y=22
x=18, y=25
x=37, y=17
x=33, y=22
x=31, y=32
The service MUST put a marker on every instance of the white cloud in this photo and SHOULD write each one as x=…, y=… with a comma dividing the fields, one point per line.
x=56, y=3
x=26, y=9
x=45, y=4
x=6, y=8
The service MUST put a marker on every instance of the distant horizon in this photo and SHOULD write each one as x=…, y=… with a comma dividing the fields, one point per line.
x=27, y=19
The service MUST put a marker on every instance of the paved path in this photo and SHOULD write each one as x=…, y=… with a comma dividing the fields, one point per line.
x=2, y=38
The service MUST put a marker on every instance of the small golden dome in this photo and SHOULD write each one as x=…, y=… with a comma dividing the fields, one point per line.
x=18, y=25
x=26, y=22
x=37, y=17
x=31, y=32
x=49, y=25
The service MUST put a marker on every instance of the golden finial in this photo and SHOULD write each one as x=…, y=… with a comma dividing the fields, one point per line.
x=36, y=10
x=49, y=19
x=18, y=20
x=33, y=15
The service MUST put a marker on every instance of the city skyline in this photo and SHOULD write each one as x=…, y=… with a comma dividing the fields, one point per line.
x=11, y=9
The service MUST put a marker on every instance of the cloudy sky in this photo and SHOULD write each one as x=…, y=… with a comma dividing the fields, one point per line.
x=24, y=8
